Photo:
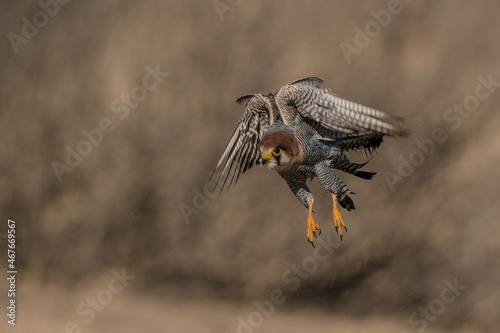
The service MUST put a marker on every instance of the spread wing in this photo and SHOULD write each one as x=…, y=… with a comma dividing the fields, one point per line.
x=334, y=116
x=242, y=151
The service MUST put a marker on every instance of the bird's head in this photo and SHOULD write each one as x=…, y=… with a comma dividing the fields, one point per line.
x=279, y=150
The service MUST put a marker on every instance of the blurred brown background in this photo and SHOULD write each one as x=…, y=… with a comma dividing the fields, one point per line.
x=121, y=207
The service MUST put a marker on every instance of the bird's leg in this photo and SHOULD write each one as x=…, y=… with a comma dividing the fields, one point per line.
x=312, y=226
x=337, y=218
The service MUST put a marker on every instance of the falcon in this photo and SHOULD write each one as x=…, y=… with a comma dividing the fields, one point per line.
x=303, y=132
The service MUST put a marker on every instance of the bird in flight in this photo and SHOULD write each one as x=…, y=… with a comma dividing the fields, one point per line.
x=303, y=132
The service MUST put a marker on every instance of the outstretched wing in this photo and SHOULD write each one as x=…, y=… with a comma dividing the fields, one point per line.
x=331, y=115
x=242, y=151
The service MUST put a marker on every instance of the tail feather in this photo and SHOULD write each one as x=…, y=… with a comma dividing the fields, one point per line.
x=364, y=174
x=347, y=203
x=343, y=164
x=368, y=142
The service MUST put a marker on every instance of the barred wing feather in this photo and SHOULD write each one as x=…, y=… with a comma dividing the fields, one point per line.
x=242, y=150
x=336, y=113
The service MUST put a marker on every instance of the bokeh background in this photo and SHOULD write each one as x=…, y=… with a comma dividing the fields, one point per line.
x=202, y=271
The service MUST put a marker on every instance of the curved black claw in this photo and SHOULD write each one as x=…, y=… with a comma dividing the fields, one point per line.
x=319, y=232
x=341, y=238
x=336, y=230
x=312, y=243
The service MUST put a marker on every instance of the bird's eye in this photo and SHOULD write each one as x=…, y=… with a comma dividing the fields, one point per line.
x=277, y=151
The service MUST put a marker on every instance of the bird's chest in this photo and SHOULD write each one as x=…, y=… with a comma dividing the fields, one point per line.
x=301, y=172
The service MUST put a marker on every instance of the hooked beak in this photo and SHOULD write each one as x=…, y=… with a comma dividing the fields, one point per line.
x=266, y=157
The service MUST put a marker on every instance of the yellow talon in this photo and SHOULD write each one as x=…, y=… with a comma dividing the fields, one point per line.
x=337, y=218
x=312, y=226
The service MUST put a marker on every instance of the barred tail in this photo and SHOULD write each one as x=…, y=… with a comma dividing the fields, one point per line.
x=347, y=203
x=352, y=168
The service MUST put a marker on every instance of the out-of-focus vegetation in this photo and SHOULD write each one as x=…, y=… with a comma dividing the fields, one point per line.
x=121, y=205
